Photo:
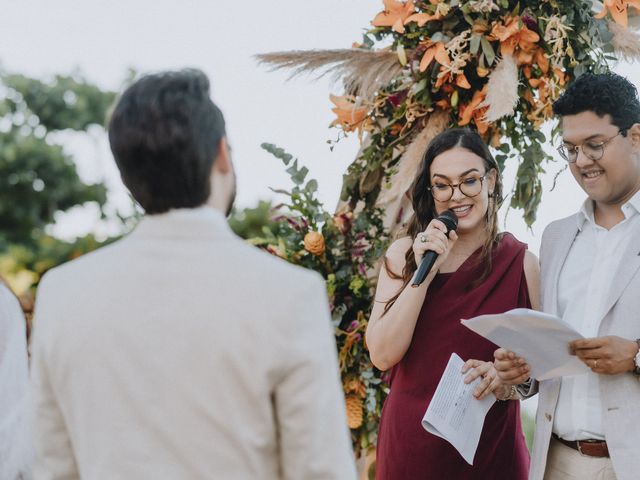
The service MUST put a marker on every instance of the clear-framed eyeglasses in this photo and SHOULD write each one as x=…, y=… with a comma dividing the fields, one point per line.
x=592, y=150
x=469, y=187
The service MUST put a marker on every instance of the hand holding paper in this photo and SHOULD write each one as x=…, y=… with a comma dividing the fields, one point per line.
x=511, y=369
x=454, y=414
x=486, y=373
x=540, y=339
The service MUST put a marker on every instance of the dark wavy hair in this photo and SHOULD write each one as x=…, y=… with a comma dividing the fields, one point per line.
x=164, y=134
x=424, y=205
x=603, y=94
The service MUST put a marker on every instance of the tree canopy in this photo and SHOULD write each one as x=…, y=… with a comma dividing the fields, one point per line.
x=38, y=178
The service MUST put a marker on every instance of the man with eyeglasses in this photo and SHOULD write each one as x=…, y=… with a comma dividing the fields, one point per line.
x=588, y=426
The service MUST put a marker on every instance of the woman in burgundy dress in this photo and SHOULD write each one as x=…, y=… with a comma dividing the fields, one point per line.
x=414, y=331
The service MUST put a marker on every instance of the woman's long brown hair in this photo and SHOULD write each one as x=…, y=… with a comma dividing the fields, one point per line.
x=424, y=206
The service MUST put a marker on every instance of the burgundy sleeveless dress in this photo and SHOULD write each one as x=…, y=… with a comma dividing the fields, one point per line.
x=405, y=450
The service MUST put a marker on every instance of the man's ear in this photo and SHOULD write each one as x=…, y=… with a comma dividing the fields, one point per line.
x=222, y=163
x=634, y=135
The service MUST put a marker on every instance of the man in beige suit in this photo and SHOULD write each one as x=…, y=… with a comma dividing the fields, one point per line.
x=588, y=426
x=180, y=352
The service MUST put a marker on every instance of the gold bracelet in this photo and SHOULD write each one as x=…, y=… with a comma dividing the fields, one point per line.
x=513, y=394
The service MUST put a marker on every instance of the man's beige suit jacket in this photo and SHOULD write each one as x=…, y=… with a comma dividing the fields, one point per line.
x=181, y=352
x=620, y=394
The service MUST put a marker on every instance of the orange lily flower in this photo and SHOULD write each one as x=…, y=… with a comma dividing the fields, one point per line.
x=515, y=34
x=561, y=77
x=618, y=10
x=528, y=96
x=438, y=51
x=350, y=117
x=542, y=60
x=543, y=106
x=473, y=111
x=461, y=80
x=445, y=103
x=435, y=50
x=422, y=18
x=394, y=15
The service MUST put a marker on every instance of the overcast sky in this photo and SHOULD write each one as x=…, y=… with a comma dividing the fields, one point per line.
x=103, y=39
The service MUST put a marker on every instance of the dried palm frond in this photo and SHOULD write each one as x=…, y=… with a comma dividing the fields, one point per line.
x=363, y=72
x=395, y=199
x=626, y=42
x=502, y=90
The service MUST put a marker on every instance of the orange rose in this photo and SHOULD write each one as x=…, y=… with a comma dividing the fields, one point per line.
x=314, y=243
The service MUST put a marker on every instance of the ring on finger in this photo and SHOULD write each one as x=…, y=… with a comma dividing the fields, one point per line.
x=595, y=364
x=424, y=238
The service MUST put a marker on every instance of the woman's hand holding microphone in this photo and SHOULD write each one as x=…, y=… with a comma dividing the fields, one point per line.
x=434, y=238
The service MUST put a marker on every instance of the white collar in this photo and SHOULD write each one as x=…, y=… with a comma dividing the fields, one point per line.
x=586, y=213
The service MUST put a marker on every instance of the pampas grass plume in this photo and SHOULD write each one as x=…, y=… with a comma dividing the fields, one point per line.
x=502, y=90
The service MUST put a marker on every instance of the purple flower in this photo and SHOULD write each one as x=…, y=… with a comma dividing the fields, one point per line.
x=529, y=21
x=397, y=98
x=353, y=326
x=293, y=223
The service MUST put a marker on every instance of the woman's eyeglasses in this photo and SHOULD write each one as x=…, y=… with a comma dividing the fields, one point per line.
x=469, y=187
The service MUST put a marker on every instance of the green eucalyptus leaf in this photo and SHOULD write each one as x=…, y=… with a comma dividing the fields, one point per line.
x=312, y=186
x=487, y=49
x=474, y=43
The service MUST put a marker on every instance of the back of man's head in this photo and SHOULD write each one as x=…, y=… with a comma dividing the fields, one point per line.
x=164, y=134
x=604, y=94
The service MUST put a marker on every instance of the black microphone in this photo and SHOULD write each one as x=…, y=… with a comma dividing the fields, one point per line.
x=451, y=222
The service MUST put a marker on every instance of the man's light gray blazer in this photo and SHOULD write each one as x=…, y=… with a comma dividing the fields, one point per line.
x=620, y=394
x=182, y=353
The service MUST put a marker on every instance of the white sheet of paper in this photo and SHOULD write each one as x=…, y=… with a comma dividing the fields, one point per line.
x=541, y=339
x=454, y=413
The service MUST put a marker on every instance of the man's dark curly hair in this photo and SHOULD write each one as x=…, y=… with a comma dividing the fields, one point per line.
x=164, y=134
x=605, y=93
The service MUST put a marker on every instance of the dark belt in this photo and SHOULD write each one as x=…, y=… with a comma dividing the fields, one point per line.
x=590, y=448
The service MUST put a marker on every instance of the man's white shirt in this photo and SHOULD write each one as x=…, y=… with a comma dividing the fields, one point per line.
x=583, y=285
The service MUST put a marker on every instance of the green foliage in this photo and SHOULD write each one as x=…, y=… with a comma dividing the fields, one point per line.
x=251, y=222
x=66, y=102
x=345, y=249
x=38, y=178
x=36, y=181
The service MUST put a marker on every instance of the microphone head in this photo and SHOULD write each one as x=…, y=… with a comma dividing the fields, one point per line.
x=448, y=217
